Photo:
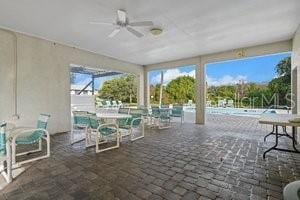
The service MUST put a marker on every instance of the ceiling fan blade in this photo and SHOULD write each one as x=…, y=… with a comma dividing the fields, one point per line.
x=102, y=23
x=142, y=23
x=114, y=33
x=121, y=15
x=134, y=32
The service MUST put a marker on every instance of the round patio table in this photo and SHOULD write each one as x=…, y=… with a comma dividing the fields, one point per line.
x=113, y=116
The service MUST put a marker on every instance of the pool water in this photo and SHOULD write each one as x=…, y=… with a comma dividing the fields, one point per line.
x=233, y=111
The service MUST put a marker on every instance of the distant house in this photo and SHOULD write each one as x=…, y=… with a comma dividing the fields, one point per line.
x=75, y=89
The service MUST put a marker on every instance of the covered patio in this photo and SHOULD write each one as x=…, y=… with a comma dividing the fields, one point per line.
x=205, y=157
x=218, y=161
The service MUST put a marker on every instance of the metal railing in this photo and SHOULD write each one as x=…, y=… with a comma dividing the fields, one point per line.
x=278, y=107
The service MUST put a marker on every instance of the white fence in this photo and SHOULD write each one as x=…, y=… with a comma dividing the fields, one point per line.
x=83, y=103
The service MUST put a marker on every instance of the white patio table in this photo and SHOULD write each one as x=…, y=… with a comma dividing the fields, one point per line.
x=283, y=120
x=113, y=116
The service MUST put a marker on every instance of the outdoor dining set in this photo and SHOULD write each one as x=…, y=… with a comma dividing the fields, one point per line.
x=96, y=129
x=100, y=128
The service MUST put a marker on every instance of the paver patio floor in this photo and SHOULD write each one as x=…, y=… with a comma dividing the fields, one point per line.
x=221, y=160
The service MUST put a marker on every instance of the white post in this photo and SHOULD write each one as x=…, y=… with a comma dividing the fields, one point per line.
x=296, y=77
x=161, y=87
x=200, y=92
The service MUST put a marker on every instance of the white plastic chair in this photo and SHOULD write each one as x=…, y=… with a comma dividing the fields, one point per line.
x=135, y=122
x=102, y=134
x=80, y=122
x=5, y=154
x=30, y=136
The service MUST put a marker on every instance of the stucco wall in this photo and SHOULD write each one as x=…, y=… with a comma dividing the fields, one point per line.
x=43, y=81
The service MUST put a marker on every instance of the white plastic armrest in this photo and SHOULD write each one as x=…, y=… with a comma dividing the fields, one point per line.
x=108, y=125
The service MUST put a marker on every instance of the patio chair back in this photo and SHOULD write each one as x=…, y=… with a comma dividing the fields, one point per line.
x=155, y=111
x=103, y=103
x=123, y=122
x=123, y=110
x=82, y=120
x=114, y=103
x=145, y=111
x=177, y=111
x=42, y=123
x=108, y=103
x=164, y=114
x=136, y=117
x=2, y=139
x=94, y=122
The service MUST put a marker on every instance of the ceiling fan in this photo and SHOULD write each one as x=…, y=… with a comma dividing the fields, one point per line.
x=123, y=22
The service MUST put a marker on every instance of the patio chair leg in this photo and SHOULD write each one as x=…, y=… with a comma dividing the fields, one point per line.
x=109, y=148
x=40, y=145
x=73, y=141
x=48, y=145
x=140, y=137
x=8, y=174
x=121, y=137
x=87, y=138
x=13, y=152
x=130, y=134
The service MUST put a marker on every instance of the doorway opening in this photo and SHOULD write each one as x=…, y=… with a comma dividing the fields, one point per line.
x=249, y=87
x=174, y=87
x=96, y=90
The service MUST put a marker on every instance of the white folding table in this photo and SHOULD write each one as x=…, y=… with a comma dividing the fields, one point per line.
x=282, y=120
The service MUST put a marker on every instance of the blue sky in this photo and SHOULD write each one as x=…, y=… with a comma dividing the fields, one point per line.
x=258, y=69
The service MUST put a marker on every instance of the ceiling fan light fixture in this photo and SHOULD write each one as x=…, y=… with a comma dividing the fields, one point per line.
x=156, y=31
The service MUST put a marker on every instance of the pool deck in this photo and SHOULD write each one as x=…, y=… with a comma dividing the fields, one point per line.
x=221, y=160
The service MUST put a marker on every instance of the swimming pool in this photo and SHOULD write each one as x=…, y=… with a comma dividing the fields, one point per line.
x=235, y=111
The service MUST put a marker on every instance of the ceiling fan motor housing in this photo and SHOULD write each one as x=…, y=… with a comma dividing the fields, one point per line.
x=122, y=24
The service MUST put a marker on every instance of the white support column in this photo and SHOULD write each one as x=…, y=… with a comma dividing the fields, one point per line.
x=161, y=87
x=146, y=88
x=296, y=72
x=140, y=89
x=296, y=77
x=200, y=92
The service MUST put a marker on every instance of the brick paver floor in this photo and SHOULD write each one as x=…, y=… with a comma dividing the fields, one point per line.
x=221, y=160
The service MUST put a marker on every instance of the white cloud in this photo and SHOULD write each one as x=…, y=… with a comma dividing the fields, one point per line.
x=225, y=80
x=171, y=74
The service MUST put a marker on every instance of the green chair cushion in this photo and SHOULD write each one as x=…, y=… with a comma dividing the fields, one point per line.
x=107, y=131
x=30, y=139
x=2, y=139
x=35, y=136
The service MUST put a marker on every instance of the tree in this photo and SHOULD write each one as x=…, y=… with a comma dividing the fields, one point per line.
x=181, y=89
x=123, y=89
x=154, y=94
x=281, y=86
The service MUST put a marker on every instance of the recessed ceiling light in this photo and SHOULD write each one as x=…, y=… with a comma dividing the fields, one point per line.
x=156, y=31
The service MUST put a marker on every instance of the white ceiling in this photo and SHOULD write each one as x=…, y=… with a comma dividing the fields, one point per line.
x=191, y=27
